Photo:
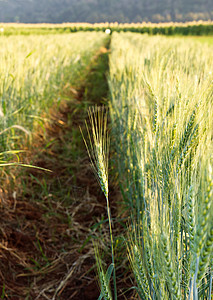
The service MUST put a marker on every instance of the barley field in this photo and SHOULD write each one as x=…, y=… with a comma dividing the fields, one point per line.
x=33, y=71
x=161, y=111
x=193, y=28
x=149, y=139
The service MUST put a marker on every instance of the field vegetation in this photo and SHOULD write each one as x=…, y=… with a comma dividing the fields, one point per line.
x=161, y=114
x=47, y=84
x=197, y=28
x=149, y=136
x=33, y=72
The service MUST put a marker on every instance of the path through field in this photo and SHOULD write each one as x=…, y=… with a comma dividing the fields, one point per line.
x=48, y=227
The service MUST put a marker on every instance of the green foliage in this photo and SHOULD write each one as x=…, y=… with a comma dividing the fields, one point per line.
x=200, y=28
x=161, y=113
x=104, y=278
x=98, y=150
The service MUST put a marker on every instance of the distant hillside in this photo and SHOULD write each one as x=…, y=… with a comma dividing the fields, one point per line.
x=57, y=11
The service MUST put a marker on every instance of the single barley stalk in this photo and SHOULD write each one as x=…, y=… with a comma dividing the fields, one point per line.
x=191, y=216
x=187, y=131
x=99, y=144
x=173, y=137
x=101, y=169
x=104, y=286
x=155, y=117
x=205, y=217
x=191, y=144
x=170, y=110
x=104, y=281
x=148, y=259
x=191, y=228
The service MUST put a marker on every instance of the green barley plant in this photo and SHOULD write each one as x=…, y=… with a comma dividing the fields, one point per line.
x=104, y=277
x=98, y=150
x=161, y=112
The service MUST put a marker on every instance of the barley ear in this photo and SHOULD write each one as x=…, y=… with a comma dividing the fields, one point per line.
x=205, y=215
x=99, y=152
x=205, y=256
x=171, y=275
x=139, y=271
x=99, y=146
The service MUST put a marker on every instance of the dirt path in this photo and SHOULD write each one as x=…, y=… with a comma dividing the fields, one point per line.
x=48, y=224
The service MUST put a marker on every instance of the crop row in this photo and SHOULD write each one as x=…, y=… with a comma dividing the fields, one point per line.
x=33, y=72
x=162, y=119
x=192, y=28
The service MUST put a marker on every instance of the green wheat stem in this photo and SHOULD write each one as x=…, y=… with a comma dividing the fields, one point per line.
x=104, y=281
x=112, y=248
x=99, y=143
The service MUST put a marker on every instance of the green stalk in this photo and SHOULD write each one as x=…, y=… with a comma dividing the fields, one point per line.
x=99, y=143
x=112, y=248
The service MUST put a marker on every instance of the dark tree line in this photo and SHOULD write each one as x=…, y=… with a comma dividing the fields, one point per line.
x=57, y=11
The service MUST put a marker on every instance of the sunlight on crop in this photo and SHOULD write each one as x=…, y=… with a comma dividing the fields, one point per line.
x=162, y=120
x=33, y=70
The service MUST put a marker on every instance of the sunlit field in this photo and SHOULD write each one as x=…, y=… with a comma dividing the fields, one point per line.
x=33, y=71
x=195, y=28
x=149, y=138
x=161, y=110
